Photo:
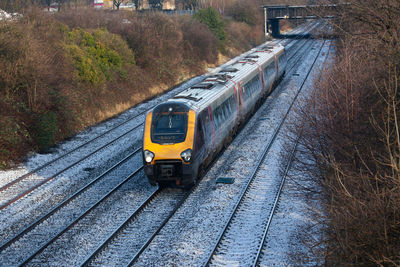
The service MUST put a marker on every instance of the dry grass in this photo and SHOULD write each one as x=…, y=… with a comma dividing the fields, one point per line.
x=50, y=88
x=350, y=140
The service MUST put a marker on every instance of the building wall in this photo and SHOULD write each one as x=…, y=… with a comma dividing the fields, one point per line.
x=108, y=4
x=168, y=4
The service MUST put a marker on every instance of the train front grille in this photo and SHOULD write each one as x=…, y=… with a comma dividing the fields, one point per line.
x=168, y=169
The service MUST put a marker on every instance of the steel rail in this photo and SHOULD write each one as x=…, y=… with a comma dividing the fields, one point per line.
x=117, y=231
x=274, y=206
x=129, y=220
x=165, y=221
x=22, y=177
x=49, y=242
x=258, y=164
x=65, y=202
x=136, y=256
x=285, y=174
x=46, y=180
x=26, y=192
x=60, y=205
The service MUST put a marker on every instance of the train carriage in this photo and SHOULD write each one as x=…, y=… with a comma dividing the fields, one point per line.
x=183, y=134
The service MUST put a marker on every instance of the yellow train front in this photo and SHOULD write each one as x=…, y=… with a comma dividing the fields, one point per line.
x=168, y=145
x=184, y=134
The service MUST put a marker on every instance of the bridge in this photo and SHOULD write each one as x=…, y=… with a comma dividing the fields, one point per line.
x=272, y=14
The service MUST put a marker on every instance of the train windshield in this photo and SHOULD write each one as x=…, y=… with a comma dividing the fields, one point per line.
x=169, y=123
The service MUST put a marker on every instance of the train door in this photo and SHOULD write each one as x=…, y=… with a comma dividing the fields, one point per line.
x=262, y=82
x=277, y=68
x=282, y=63
x=235, y=103
x=200, y=140
x=207, y=128
x=241, y=104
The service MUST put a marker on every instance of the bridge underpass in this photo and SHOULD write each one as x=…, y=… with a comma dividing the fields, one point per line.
x=273, y=14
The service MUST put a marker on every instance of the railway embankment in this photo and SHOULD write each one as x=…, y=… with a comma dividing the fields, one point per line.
x=64, y=72
x=349, y=142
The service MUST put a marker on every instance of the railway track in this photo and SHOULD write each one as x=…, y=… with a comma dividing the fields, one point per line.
x=137, y=255
x=30, y=181
x=126, y=243
x=98, y=253
x=253, y=205
x=170, y=244
x=263, y=243
x=46, y=229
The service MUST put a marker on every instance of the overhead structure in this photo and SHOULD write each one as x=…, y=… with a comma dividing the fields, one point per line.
x=272, y=14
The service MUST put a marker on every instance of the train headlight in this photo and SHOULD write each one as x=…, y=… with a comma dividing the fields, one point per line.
x=148, y=156
x=186, y=155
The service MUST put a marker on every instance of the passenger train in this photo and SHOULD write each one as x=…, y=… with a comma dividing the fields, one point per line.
x=182, y=135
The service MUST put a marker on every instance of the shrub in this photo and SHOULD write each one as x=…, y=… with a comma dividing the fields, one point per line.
x=242, y=37
x=199, y=42
x=349, y=140
x=211, y=18
x=14, y=137
x=62, y=72
x=93, y=57
x=45, y=129
x=243, y=11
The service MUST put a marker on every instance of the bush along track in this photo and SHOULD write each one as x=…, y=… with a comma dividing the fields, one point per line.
x=62, y=73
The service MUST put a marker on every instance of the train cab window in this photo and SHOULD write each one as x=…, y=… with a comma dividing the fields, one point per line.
x=169, y=123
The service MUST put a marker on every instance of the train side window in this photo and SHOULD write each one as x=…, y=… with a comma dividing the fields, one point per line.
x=233, y=102
x=221, y=113
x=215, y=115
x=271, y=67
x=224, y=108
x=217, y=118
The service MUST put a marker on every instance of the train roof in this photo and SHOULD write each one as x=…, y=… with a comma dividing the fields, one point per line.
x=200, y=95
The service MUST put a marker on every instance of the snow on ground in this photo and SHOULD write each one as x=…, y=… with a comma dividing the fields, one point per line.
x=35, y=160
x=4, y=15
x=293, y=219
x=190, y=235
x=23, y=212
x=8, y=17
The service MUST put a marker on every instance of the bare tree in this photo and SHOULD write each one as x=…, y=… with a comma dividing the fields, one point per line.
x=137, y=3
x=350, y=138
x=156, y=4
x=188, y=4
x=117, y=3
